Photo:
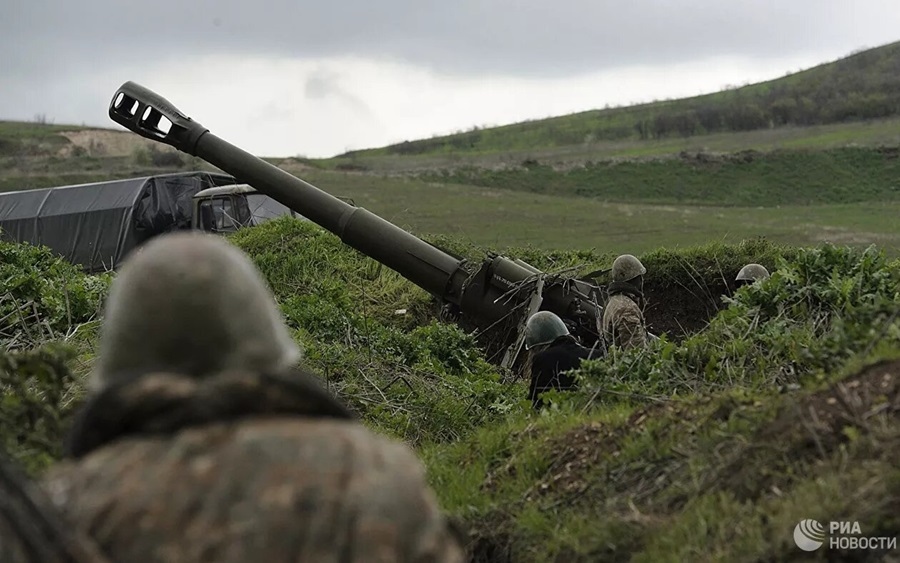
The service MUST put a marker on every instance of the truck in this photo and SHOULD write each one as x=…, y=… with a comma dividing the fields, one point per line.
x=97, y=225
x=492, y=299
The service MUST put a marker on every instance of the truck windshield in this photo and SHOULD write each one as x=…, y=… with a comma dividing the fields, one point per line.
x=218, y=215
x=264, y=208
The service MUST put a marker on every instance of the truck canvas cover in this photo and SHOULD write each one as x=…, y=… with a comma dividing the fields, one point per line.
x=97, y=225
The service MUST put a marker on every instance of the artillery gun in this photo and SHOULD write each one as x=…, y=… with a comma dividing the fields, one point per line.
x=493, y=299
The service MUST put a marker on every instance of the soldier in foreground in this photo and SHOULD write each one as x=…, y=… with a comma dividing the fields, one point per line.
x=553, y=353
x=751, y=273
x=623, y=318
x=31, y=528
x=200, y=440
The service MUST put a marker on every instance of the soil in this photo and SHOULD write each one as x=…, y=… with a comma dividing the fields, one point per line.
x=679, y=310
x=805, y=429
x=814, y=427
x=97, y=142
x=586, y=447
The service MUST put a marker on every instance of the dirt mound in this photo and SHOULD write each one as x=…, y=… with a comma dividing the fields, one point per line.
x=580, y=451
x=101, y=142
x=814, y=427
x=680, y=310
x=590, y=456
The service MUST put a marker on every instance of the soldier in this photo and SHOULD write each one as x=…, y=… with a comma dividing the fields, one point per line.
x=202, y=441
x=553, y=353
x=31, y=529
x=623, y=318
x=750, y=274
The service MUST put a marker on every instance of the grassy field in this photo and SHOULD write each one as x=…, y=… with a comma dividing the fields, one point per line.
x=868, y=133
x=505, y=218
x=748, y=179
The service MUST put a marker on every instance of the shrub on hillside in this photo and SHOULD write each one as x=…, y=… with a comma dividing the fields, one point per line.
x=370, y=333
x=43, y=297
x=43, y=302
x=37, y=395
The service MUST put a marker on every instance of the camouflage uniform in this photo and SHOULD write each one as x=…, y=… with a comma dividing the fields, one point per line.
x=623, y=321
x=241, y=459
x=31, y=529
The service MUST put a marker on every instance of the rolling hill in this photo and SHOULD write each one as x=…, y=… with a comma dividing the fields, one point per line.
x=862, y=86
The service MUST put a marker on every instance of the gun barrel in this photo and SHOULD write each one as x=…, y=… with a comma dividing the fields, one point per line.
x=142, y=111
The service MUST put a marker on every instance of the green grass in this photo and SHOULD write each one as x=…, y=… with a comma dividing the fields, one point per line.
x=870, y=133
x=786, y=177
x=703, y=449
x=503, y=218
x=858, y=87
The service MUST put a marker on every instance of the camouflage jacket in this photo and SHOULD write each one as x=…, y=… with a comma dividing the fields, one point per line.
x=242, y=467
x=623, y=322
x=31, y=529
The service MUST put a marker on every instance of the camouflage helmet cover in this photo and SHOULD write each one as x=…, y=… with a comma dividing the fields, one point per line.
x=752, y=272
x=626, y=267
x=543, y=327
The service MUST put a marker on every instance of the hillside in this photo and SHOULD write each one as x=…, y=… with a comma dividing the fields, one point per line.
x=746, y=178
x=758, y=409
x=862, y=86
x=39, y=155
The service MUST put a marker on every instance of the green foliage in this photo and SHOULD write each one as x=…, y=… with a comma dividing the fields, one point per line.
x=369, y=333
x=37, y=395
x=45, y=306
x=156, y=157
x=812, y=316
x=859, y=87
x=724, y=476
x=43, y=297
x=748, y=178
x=694, y=449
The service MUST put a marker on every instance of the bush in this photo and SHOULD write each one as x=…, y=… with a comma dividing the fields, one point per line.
x=43, y=297
x=811, y=317
x=44, y=301
x=370, y=333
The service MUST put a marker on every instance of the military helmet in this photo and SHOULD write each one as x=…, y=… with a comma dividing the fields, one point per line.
x=192, y=304
x=751, y=273
x=626, y=267
x=543, y=327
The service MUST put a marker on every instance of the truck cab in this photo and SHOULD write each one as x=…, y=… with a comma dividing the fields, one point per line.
x=225, y=209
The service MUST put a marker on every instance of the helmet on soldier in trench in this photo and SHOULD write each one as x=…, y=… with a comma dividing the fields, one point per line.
x=543, y=327
x=752, y=273
x=626, y=267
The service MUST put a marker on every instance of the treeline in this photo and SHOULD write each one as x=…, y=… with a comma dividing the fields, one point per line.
x=862, y=86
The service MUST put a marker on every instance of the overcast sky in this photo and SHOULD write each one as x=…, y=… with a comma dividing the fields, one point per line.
x=285, y=78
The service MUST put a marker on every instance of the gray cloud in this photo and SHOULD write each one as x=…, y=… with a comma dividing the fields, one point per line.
x=468, y=37
x=323, y=84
